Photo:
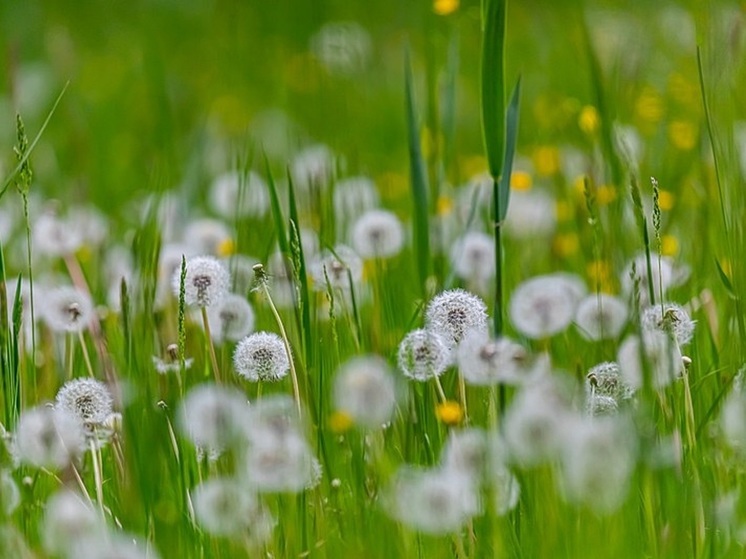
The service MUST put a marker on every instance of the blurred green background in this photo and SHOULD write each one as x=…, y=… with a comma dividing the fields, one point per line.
x=166, y=92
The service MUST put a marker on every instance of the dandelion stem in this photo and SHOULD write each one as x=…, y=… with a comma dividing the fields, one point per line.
x=210, y=345
x=86, y=357
x=95, y=456
x=439, y=387
x=462, y=396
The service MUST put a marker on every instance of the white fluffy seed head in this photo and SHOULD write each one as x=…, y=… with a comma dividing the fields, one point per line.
x=437, y=501
x=605, y=379
x=663, y=274
x=484, y=361
x=10, y=496
x=109, y=544
x=669, y=317
x=87, y=399
x=281, y=464
x=531, y=214
x=454, y=313
x=465, y=452
x=214, y=417
x=261, y=357
x=68, y=518
x=377, y=234
x=55, y=236
x=206, y=236
x=206, y=281
x=234, y=194
x=661, y=354
x=542, y=306
x=423, y=354
x=49, y=438
x=601, y=317
x=313, y=167
x=598, y=460
x=353, y=196
x=225, y=507
x=67, y=309
x=473, y=257
x=364, y=389
x=343, y=47
x=232, y=318
x=342, y=269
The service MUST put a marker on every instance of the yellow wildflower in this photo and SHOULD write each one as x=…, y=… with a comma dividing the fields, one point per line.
x=449, y=412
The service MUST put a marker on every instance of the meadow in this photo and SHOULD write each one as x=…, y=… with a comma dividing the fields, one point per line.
x=397, y=279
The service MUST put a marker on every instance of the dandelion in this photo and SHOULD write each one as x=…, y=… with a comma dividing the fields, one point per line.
x=605, y=379
x=536, y=423
x=531, y=215
x=733, y=419
x=171, y=363
x=378, y=234
x=108, y=545
x=169, y=265
x=354, y=196
x=669, y=317
x=49, y=438
x=364, y=390
x=87, y=399
x=598, y=460
x=206, y=281
x=280, y=463
x=261, y=357
x=663, y=275
x=55, y=236
x=423, y=354
x=343, y=47
x=90, y=224
x=233, y=195
x=241, y=270
x=454, y=313
x=601, y=316
x=207, y=236
x=224, y=507
x=465, y=452
x=67, y=309
x=68, y=518
x=10, y=496
x=214, y=417
x=232, y=318
x=506, y=490
x=473, y=258
x=484, y=361
x=313, y=166
x=433, y=501
x=661, y=354
x=542, y=306
x=342, y=269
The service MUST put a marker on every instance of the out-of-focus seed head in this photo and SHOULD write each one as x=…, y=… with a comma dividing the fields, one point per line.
x=542, y=306
x=206, y=281
x=342, y=269
x=68, y=518
x=234, y=195
x=484, y=361
x=423, y=354
x=378, y=234
x=87, y=399
x=214, y=417
x=232, y=318
x=67, y=309
x=49, y=438
x=661, y=353
x=364, y=390
x=601, y=317
x=473, y=258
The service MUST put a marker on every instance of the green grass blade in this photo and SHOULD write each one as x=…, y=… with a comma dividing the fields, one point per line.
x=282, y=237
x=511, y=138
x=493, y=82
x=22, y=161
x=418, y=183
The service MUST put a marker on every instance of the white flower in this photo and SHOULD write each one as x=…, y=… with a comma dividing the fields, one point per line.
x=378, y=234
x=601, y=317
x=232, y=318
x=465, y=452
x=49, y=438
x=542, y=306
x=364, y=390
x=423, y=354
x=454, y=313
x=531, y=214
x=483, y=361
x=261, y=357
x=67, y=309
x=206, y=281
x=87, y=399
x=214, y=417
x=234, y=194
x=473, y=258
x=671, y=317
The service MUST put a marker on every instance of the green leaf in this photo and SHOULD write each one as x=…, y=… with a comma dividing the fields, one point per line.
x=511, y=122
x=493, y=82
x=418, y=182
x=282, y=237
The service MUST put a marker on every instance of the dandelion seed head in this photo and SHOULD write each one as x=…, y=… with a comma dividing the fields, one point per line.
x=55, y=236
x=67, y=309
x=234, y=195
x=341, y=269
x=542, y=306
x=465, y=452
x=669, y=317
x=232, y=318
x=605, y=379
x=454, y=313
x=214, y=417
x=206, y=281
x=10, y=496
x=261, y=357
x=506, y=490
x=206, y=236
x=364, y=389
x=87, y=399
x=423, y=354
x=661, y=353
x=484, y=361
x=377, y=234
x=354, y=196
x=68, y=518
x=112, y=545
x=225, y=507
x=313, y=167
x=343, y=47
x=433, y=501
x=49, y=438
x=601, y=317
x=280, y=464
x=473, y=257
x=663, y=274
x=531, y=214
